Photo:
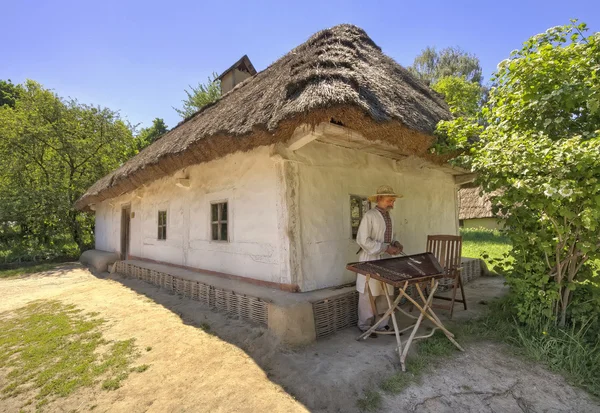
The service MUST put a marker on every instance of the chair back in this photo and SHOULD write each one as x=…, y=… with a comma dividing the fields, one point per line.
x=448, y=250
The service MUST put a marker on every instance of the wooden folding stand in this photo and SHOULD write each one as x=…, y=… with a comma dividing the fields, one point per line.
x=402, y=273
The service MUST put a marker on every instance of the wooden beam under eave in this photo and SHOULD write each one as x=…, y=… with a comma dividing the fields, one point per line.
x=464, y=179
x=182, y=182
x=303, y=135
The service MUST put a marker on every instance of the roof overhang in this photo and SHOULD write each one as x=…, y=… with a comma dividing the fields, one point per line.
x=332, y=134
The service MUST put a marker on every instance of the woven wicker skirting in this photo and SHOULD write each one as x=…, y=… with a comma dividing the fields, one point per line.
x=243, y=306
x=334, y=314
x=471, y=269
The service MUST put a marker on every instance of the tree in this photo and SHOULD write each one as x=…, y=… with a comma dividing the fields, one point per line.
x=200, y=96
x=52, y=151
x=455, y=74
x=9, y=93
x=541, y=149
x=432, y=65
x=148, y=135
x=465, y=100
x=463, y=97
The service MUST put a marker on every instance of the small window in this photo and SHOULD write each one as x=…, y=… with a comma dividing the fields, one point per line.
x=358, y=207
x=218, y=221
x=162, y=224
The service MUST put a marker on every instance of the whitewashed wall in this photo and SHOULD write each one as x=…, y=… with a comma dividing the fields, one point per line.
x=289, y=220
x=251, y=184
x=328, y=176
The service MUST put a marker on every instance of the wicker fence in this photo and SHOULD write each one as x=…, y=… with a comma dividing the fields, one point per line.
x=241, y=305
x=471, y=269
x=330, y=315
x=336, y=313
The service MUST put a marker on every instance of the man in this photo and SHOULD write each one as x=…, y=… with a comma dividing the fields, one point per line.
x=376, y=240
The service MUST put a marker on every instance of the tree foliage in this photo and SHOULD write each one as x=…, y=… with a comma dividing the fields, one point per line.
x=9, y=93
x=463, y=97
x=52, y=150
x=456, y=75
x=147, y=136
x=431, y=65
x=541, y=150
x=200, y=96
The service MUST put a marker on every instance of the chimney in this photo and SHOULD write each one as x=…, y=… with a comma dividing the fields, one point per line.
x=237, y=73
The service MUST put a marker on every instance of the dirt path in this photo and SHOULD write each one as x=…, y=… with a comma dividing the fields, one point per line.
x=243, y=368
x=190, y=370
x=486, y=380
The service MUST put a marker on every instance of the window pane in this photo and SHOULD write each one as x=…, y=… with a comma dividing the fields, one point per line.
x=224, y=212
x=165, y=232
x=215, y=212
x=224, y=232
x=215, y=232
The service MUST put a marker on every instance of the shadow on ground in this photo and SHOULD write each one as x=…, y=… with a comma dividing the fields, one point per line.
x=329, y=375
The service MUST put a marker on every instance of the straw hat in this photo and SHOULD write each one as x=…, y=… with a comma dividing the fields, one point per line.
x=384, y=190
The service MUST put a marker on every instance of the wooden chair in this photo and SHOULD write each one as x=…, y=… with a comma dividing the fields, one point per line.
x=448, y=249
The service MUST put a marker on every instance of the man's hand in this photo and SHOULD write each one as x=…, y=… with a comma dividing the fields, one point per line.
x=393, y=250
x=398, y=246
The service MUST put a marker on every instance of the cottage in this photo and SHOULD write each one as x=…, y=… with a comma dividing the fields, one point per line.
x=475, y=209
x=257, y=197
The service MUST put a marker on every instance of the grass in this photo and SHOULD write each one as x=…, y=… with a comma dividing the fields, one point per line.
x=53, y=349
x=573, y=352
x=489, y=245
x=371, y=402
x=31, y=269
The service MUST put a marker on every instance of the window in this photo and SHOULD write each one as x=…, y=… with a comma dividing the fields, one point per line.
x=358, y=207
x=218, y=221
x=162, y=224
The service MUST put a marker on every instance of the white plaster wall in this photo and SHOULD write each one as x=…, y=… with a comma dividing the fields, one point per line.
x=251, y=184
x=328, y=175
x=104, y=228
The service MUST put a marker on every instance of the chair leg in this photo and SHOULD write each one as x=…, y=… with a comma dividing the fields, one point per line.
x=456, y=281
x=462, y=291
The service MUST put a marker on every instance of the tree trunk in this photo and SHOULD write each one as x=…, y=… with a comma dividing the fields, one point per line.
x=75, y=230
x=565, y=303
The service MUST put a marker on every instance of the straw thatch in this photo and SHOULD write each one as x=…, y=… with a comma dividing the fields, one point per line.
x=472, y=205
x=338, y=75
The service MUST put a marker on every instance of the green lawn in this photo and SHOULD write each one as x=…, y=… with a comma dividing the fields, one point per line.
x=31, y=269
x=486, y=244
x=49, y=350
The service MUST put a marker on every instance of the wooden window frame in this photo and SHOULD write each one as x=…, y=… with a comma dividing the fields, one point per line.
x=162, y=226
x=220, y=221
x=361, y=212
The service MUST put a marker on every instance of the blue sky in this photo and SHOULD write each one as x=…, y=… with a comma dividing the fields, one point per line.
x=139, y=56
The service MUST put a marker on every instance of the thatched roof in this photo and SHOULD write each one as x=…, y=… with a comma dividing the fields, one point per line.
x=472, y=205
x=338, y=75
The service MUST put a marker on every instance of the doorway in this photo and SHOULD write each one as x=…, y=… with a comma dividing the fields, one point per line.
x=125, y=231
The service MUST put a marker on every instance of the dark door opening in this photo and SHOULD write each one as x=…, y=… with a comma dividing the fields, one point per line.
x=125, y=229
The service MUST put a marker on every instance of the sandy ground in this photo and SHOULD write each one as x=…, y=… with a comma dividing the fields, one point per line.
x=243, y=368
x=190, y=370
